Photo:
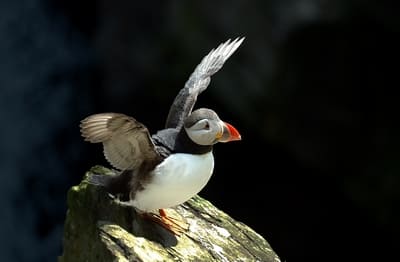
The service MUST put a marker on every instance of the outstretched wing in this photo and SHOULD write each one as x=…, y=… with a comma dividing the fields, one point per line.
x=127, y=143
x=198, y=82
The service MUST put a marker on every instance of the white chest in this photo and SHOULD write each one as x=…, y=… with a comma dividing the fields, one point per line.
x=177, y=179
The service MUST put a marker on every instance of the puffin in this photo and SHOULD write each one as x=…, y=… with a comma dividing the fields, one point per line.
x=164, y=170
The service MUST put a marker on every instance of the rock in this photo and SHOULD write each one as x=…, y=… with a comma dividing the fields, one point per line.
x=100, y=228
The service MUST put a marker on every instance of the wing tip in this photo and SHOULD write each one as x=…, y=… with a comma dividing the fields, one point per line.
x=227, y=48
x=238, y=40
x=94, y=127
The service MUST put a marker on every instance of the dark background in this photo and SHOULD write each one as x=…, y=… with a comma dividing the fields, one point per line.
x=312, y=91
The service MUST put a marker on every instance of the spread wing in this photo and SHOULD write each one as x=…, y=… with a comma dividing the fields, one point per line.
x=126, y=142
x=198, y=82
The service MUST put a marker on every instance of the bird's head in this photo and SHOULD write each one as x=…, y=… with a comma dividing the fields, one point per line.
x=204, y=127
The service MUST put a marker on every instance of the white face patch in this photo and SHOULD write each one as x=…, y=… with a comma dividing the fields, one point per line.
x=203, y=126
x=205, y=132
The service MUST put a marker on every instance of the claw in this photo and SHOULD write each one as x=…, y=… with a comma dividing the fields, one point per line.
x=174, y=225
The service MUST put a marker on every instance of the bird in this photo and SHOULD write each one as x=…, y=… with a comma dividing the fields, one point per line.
x=164, y=170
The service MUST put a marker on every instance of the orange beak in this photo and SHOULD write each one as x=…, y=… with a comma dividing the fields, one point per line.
x=229, y=134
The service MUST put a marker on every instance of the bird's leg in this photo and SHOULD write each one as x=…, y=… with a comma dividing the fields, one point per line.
x=174, y=225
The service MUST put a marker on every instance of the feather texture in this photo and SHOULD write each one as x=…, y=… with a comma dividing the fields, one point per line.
x=126, y=141
x=199, y=81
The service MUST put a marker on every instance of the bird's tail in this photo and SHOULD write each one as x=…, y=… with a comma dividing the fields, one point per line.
x=99, y=180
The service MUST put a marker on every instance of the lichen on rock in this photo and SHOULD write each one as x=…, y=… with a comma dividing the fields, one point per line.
x=100, y=228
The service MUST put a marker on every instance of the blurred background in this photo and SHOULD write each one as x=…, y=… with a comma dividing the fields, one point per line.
x=312, y=91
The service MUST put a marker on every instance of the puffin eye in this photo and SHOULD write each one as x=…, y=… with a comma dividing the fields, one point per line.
x=201, y=125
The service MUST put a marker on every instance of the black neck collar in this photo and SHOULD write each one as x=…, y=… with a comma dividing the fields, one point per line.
x=185, y=145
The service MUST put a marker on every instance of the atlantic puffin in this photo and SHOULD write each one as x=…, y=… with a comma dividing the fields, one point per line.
x=171, y=166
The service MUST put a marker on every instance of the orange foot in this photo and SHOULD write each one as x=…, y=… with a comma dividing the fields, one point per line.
x=174, y=225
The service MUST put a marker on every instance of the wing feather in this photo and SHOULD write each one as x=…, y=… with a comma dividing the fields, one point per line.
x=126, y=141
x=199, y=81
x=211, y=64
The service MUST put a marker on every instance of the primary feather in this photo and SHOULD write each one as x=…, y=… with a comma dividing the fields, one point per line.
x=199, y=81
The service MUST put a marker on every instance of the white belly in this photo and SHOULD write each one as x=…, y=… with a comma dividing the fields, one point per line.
x=177, y=179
